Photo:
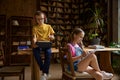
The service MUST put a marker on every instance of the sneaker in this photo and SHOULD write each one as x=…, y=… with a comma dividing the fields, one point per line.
x=43, y=77
x=106, y=75
x=47, y=75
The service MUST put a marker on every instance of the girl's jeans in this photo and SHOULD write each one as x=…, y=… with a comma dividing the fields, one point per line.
x=44, y=66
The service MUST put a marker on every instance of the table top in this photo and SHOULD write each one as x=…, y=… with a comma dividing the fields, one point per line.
x=104, y=49
x=55, y=50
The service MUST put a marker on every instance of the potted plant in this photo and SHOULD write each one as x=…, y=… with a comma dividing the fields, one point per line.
x=95, y=40
x=96, y=24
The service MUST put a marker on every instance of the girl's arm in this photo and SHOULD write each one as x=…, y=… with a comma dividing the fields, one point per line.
x=85, y=53
x=74, y=58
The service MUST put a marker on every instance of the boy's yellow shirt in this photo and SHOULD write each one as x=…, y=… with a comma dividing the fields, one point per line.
x=42, y=32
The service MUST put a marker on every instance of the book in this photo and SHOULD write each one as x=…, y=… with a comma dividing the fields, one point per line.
x=96, y=46
x=44, y=44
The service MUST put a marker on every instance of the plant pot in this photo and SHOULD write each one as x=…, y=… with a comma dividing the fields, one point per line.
x=95, y=41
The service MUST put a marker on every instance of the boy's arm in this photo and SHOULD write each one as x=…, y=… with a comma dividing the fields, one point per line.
x=34, y=40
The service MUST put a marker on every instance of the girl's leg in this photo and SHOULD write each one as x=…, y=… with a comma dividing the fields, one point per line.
x=93, y=69
x=96, y=74
x=89, y=60
x=94, y=63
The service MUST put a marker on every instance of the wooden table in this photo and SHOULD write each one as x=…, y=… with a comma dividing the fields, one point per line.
x=104, y=58
x=35, y=71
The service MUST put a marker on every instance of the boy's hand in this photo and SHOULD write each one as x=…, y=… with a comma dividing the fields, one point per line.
x=34, y=45
x=51, y=37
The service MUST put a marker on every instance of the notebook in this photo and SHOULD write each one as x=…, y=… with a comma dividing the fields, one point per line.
x=44, y=44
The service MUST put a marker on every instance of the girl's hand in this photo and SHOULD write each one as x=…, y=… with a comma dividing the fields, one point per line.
x=85, y=53
x=92, y=51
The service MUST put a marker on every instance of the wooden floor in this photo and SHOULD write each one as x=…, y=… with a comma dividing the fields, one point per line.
x=55, y=71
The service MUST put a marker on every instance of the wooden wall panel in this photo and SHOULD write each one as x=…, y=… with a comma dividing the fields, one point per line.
x=17, y=7
x=115, y=21
x=3, y=7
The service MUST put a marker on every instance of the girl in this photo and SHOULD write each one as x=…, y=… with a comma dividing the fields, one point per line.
x=85, y=61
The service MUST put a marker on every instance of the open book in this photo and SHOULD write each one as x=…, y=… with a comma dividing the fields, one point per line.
x=96, y=46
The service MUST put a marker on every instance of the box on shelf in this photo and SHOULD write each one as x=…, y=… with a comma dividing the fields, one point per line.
x=24, y=50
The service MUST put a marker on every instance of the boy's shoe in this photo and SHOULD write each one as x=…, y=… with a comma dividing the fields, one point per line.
x=47, y=75
x=106, y=75
x=43, y=77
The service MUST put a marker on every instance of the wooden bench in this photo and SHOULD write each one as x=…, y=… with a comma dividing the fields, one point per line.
x=12, y=71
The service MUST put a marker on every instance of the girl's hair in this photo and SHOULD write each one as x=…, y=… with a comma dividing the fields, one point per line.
x=69, y=39
x=75, y=32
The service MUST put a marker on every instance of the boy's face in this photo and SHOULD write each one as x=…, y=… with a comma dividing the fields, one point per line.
x=40, y=19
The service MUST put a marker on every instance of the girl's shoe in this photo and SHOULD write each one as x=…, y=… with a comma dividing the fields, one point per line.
x=106, y=75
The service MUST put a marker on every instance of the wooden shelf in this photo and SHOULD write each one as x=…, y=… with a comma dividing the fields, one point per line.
x=20, y=34
x=3, y=39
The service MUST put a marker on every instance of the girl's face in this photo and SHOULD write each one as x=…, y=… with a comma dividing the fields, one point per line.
x=40, y=19
x=79, y=37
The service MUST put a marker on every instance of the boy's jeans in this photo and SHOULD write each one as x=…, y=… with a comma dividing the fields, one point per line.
x=44, y=66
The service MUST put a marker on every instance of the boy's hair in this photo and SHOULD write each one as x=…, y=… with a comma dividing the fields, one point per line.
x=38, y=13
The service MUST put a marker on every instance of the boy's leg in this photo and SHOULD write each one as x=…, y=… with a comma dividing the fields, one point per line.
x=47, y=60
x=36, y=53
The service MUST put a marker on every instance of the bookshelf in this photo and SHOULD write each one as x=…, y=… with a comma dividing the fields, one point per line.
x=65, y=15
x=3, y=39
x=20, y=36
